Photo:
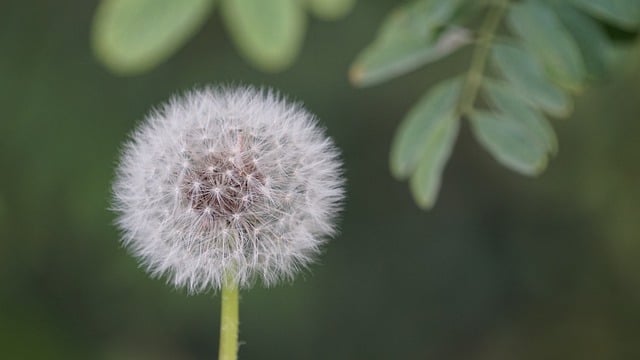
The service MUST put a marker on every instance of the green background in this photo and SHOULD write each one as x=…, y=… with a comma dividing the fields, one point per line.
x=504, y=267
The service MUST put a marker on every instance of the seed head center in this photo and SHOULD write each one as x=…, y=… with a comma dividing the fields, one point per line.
x=222, y=185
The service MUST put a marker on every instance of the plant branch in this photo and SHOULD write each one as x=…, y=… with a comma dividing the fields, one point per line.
x=475, y=75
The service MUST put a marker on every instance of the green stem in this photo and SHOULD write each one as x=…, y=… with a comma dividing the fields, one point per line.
x=229, y=323
x=479, y=58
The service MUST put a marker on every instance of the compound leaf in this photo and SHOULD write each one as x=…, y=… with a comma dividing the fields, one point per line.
x=421, y=126
x=541, y=30
x=413, y=35
x=512, y=105
x=596, y=48
x=425, y=181
x=624, y=13
x=527, y=77
x=509, y=141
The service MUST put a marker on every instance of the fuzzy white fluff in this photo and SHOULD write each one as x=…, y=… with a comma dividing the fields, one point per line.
x=227, y=183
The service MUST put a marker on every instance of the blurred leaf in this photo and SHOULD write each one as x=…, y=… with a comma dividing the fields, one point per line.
x=331, y=9
x=594, y=44
x=509, y=141
x=541, y=30
x=410, y=37
x=269, y=33
x=133, y=36
x=425, y=182
x=512, y=104
x=527, y=77
x=421, y=127
x=625, y=13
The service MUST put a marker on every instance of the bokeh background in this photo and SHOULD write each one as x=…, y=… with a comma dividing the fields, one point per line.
x=504, y=267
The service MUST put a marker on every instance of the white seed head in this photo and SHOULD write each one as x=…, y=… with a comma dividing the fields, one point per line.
x=227, y=183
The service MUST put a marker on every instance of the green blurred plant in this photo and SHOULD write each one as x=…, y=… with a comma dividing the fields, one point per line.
x=546, y=54
x=549, y=50
x=133, y=36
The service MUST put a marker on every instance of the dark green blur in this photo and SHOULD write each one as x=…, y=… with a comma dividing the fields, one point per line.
x=504, y=267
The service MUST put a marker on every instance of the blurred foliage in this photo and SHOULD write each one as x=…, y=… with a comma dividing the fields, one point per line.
x=555, y=48
x=133, y=36
x=506, y=268
x=551, y=50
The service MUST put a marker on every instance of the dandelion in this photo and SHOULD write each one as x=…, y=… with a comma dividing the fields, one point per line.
x=222, y=187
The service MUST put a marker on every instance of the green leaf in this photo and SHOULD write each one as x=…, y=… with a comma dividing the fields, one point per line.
x=512, y=105
x=425, y=182
x=268, y=33
x=541, y=30
x=133, y=36
x=331, y=9
x=509, y=142
x=420, y=125
x=413, y=35
x=528, y=78
x=596, y=48
x=624, y=13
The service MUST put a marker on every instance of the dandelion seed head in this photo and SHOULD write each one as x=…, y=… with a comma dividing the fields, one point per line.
x=227, y=182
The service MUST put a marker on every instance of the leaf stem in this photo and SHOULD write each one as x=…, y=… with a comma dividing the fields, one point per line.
x=229, y=322
x=474, y=77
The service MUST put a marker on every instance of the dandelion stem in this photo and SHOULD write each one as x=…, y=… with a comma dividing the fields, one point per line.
x=480, y=54
x=229, y=323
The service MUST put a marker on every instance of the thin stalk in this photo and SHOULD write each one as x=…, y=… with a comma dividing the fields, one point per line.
x=229, y=323
x=479, y=58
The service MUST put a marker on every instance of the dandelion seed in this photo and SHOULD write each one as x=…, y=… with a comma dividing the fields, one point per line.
x=227, y=183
